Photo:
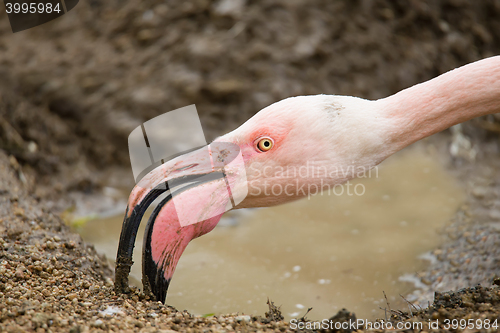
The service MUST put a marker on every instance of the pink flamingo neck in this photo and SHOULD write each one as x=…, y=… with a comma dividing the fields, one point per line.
x=452, y=98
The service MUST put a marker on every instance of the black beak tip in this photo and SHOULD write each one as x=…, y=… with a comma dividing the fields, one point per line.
x=158, y=292
x=122, y=271
x=154, y=282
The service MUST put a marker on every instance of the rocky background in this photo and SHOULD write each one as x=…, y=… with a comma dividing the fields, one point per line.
x=73, y=89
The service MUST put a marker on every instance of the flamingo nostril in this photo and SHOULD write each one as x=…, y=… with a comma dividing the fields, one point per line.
x=187, y=167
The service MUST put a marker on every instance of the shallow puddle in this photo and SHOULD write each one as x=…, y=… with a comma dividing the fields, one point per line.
x=329, y=252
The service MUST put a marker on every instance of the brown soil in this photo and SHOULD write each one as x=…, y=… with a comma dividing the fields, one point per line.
x=74, y=88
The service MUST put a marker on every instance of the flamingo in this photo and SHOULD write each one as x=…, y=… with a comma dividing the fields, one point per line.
x=327, y=131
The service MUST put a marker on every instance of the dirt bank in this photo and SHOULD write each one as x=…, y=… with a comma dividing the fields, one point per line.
x=99, y=71
x=73, y=89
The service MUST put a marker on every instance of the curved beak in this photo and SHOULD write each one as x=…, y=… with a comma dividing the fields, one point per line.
x=199, y=187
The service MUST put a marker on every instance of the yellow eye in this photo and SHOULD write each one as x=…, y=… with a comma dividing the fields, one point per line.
x=265, y=144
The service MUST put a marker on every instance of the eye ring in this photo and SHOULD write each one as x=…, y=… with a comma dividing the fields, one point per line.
x=264, y=144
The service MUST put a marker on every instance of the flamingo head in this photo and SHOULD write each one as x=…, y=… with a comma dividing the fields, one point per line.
x=284, y=152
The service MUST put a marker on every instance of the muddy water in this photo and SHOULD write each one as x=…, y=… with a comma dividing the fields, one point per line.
x=329, y=252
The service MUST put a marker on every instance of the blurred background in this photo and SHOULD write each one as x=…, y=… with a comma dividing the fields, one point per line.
x=78, y=85
x=73, y=89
